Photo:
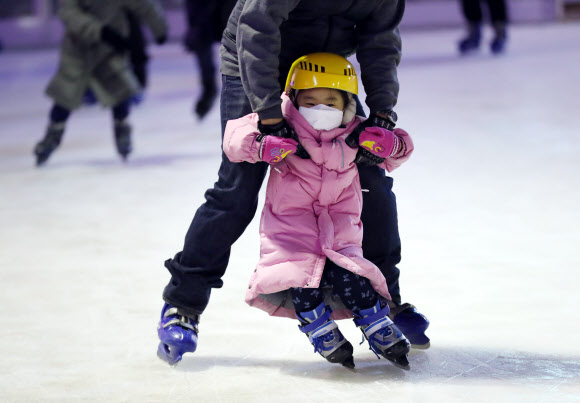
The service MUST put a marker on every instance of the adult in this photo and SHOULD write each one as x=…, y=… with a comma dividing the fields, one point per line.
x=206, y=21
x=260, y=42
x=473, y=15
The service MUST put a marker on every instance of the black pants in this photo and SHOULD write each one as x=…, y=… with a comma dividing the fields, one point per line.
x=138, y=50
x=354, y=291
x=473, y=14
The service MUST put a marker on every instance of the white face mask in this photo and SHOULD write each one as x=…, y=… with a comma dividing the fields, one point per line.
x=322, y=117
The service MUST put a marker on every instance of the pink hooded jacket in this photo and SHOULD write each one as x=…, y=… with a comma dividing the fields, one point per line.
x=312, y=212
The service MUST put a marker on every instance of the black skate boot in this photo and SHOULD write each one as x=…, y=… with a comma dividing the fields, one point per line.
x=412, y=323
x=123, y=138
x=383, y=335
x=206, y=100
x=325, y=336
x=49, y=143
x=471, y=42
x=497, y=45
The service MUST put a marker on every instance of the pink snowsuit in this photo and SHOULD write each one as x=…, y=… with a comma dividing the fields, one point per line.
x=312, y=212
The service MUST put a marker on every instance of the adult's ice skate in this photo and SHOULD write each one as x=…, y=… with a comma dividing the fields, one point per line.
x=177, y=334
x=123, y=139
x=49, y=143
x=412, y=323
x=472, y=41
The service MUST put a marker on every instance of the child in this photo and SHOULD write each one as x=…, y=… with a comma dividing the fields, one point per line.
x=94, y=57
x=311, y=265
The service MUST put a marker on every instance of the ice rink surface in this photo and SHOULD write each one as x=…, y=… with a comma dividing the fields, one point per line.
x=489, y=219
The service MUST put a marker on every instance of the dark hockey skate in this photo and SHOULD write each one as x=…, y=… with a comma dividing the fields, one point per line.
x=325, y=336
x=123, y=138
x=177, y=334
x=498, y=43
x=412, y=323
x=472, y=41
x=205, y=101
x=384, y=337
x=49, y=143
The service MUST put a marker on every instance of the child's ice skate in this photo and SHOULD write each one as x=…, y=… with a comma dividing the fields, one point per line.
x=383, y=335
x=49, y=143
x=178, y=334
x=412, y=323
x=325, y=336
x=123, y=138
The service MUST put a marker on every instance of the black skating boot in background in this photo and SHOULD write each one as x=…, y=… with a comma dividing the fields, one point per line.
x=206, y=100
x=49, y=143
x=471, y=42
x=123, y=138
x=497, y=45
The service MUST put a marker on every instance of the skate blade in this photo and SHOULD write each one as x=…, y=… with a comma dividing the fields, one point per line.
x=348, y=363
x=401, y=362
x=424, y=346
x=343, y=356
x=168, y=355
x=397, y=354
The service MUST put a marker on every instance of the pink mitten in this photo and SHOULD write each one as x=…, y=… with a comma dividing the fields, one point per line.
x=275, y=149
x=381, y=142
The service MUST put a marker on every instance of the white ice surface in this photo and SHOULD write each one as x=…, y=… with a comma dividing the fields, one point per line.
x=489, y=218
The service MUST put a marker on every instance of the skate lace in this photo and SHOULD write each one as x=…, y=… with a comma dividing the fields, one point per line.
x=384, y=332
x=318, y=342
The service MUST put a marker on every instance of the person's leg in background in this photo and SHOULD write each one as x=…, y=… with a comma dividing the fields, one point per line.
x=207, y=69
x=499, y=20
x=58, y=117
x=473, y=16
x=229, y=208
x=138, y=56
x=122, y=128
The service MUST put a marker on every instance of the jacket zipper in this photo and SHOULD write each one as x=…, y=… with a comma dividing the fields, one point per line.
x=341, y=151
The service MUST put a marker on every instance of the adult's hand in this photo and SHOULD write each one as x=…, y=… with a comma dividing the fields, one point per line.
x=281, y=129
x=364, y=156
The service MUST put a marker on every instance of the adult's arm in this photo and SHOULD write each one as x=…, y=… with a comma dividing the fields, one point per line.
x=258, y=44
x=379, y=54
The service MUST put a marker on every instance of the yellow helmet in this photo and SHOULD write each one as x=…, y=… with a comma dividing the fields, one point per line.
x=322, y=70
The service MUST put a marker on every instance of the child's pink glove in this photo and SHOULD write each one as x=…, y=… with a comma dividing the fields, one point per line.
x=275, y=149
x=381, y=142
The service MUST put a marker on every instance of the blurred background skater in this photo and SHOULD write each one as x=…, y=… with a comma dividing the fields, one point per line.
x=94, y=57
x=474, y=16
x=138, y=57
x=206, y=20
